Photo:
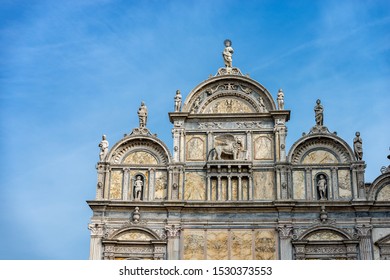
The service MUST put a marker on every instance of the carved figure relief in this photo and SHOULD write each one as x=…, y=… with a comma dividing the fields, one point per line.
x=228, y=145
x=140, y=158
x=196, y=148
x=195, y=186
x=228, y=105
x=116, y=184
x=319, y=157
x=193, y=244
x=138, y=188
x=344, y=184
x=263, y=147
x=161, y=186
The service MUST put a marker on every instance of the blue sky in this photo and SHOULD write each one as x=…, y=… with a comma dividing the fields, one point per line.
x=71, y=71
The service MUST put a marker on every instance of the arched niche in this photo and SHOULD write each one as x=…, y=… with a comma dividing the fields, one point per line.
x=134, y=243
x=325, y=243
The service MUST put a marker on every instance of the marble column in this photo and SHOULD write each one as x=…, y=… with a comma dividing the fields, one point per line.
x=126, y=180
x=173, y=235
x=96, y=246
x=365, y=245
x=285, y=235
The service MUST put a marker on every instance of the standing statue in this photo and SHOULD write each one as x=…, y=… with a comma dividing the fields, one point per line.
x=228, y=53
x=103, y=145
x=280, y=99
x=177, y=101
x=358, y=146
x=321, y=184
x=319, y=113
x=138, y=185
x=143, y=115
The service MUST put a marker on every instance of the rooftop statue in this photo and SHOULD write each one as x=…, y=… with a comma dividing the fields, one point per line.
x=319, y=113
x=228, y=53
x=280, y=99
x=103, y=145
x=143, y=115
x=177, y=101
x=358, y=146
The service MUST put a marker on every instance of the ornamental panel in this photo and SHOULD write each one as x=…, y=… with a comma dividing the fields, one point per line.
x=140, y=158
x=319, y=157
x=195, y=186
x=264, y=185
x=196, y=148
x=384, y=193
x=116, y=184
x=263, y=148
x=345, y=190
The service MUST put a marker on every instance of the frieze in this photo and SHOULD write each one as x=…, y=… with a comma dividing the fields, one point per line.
x=325, y=250
x=213, y=125
x=134, y=250
x=230, y=125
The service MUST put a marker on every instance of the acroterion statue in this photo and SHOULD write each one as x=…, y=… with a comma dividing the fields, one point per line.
x=177, y=101
x=103, y=145
x=358, y=146
x=319, y=113
x=143, y=115
x=280, y=99
x=228, y=53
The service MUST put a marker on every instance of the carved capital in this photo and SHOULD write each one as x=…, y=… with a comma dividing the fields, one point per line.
x=285, y=231
x=97, y=230
x=173, y=230
x=363, y=230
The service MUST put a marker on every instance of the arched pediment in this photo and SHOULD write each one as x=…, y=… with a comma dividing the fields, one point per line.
x=229, y=94
x=324, y=233
x=140, y=150
x=134, y=234
x=320, y=150
x=380, y=188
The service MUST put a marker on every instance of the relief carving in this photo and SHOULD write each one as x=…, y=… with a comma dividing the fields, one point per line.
x=228, y=145
x=116, y=184
x=195, y=186
x=140, y=158
x=384, y=193
x=263, y=148
x=217, y=245
x=194, y=245
x=196, y=149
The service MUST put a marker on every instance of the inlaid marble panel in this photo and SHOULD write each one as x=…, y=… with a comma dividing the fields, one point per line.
x=299, y=184
x=265, y=245
x=245, y=188
x=319, y=157
x=196, y=148
x=195, y=186
x=263, y=147
x=345, y=191
x=116, y=184
x=241, y=245
x=160, y=188
x=224, y=186
x=234, y=188
x=217, y=245
x=214, y=184
x=193, y=244
x=264, y=185
x=140, y=158
x=384, y=193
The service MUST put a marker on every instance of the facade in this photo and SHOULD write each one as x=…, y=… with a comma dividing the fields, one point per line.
x=231, y=190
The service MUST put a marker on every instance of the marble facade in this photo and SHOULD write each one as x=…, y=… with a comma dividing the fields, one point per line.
x=230, y=189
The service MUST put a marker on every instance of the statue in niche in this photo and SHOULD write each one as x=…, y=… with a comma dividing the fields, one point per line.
x=228, y=53
x=103, y=145
x=138, y=187
x=280, y=100
x=177, y=101
x=319, y=113
x=358, y=146
x=322, y=186
x=143, y=115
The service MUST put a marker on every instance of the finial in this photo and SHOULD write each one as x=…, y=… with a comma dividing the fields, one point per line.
x=228, y=53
